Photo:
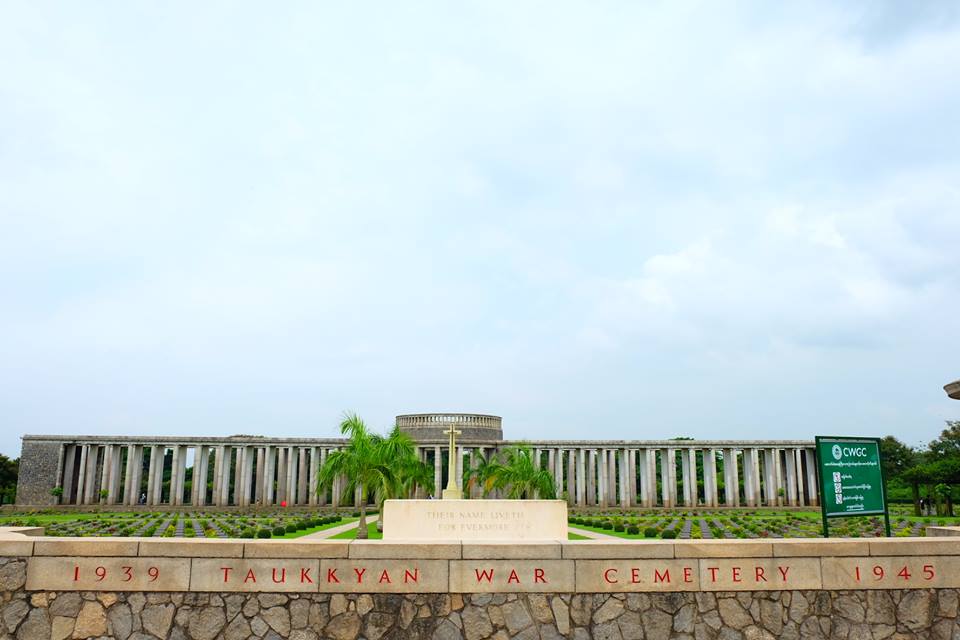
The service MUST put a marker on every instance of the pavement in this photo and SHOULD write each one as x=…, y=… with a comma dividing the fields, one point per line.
x=340, y=528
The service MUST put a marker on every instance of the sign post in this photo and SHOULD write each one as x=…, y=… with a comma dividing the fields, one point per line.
x=851, y=479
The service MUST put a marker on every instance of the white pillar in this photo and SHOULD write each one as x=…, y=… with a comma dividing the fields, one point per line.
x=302, y=477
x=571, y=477
x=581, y=478
x=82, y=475
x=269, y=475
x=812, y=487
x=731, y=478
x=685, y=470
x=322, y=497
x=791, y=467
x=798, y=456
x=711, y=493
x=666, y=466
x=312, y=476
x=106, y=476
x=603, y=477
x=644, y=479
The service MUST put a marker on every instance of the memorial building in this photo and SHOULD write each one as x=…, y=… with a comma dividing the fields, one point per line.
x=246, y=471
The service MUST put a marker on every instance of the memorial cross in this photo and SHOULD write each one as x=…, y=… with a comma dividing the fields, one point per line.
x=452, y=492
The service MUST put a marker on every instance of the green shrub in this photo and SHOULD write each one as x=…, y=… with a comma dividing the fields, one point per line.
x=633, y=529
x=291, y=528
x=668, y=534
x=619, y=527
x=264, y=533
x=247, y=532
x=651, y=532
x=279, y=530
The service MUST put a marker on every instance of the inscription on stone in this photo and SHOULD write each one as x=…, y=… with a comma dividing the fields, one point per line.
x=891, y=572
x=759, y=574
x=108, y=574
x=600, y=576
x=384, y=576
x=234, y=574
x=511, y=576
x=474, y=520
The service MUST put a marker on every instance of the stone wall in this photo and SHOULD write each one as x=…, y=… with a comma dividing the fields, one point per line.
x=173, y=589
x=58, y=615
x=38, y=472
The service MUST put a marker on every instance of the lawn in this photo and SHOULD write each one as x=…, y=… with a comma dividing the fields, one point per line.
x=351, y=534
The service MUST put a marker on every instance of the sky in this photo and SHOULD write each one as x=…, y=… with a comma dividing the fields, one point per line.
x=597, y=220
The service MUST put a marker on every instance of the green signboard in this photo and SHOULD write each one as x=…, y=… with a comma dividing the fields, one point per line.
x=851, y=478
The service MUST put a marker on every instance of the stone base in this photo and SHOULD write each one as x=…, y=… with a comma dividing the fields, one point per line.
x=481, y=520
x=452, y=494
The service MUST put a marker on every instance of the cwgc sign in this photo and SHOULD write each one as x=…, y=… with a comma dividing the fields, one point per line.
x=851, y=478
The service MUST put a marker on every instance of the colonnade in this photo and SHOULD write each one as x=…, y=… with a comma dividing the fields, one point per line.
x=221, y=474
x=709, y=476
x=259, y=471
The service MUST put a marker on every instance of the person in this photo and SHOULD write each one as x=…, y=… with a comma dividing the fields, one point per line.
x=143, y=498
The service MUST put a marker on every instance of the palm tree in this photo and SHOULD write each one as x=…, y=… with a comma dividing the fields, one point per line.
x=362, y=464
x=520, y=477
x=481, y=473
x=398, y=453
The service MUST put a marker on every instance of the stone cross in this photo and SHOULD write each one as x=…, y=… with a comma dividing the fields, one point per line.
x=452, y=492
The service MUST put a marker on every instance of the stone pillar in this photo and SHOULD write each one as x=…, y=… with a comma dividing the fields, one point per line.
x=556, y=468
x=644, y=478
x=666, y=465
x=269, y=475
x=176, y=489
x=710, y=489
x=603, y=478
x=312, y=476
x=128, y=473
x=322, y=497
x=791, y=468
x=571, y=477
x=152, y=475
x=437, y=472
x=238, y=465
x=302, y=477
x=106, y=472
x=731, y=478
x=246, y=475
x=812, y=488
x=685, y=470
x=624, y=487
x=82, y=474
x=281, y=474
x=198, y=489
x=69, y=465
x=592, y=477
x=581, y=478
x=459, y=468
x=798, y=456
x=260, y=478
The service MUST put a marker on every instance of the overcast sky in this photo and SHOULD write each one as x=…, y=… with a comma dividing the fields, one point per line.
x=597, y=220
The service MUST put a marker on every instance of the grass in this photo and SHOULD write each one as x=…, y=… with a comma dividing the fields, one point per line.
x=300, y=534
x=576, y=536
x=45, y=518
x=351, y=534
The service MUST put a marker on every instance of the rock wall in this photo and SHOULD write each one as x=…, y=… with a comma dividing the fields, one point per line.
x=900, y=614
x=38, y=473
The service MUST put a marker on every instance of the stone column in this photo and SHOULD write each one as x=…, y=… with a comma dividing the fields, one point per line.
x=302, y=477
x=666, y=465
x=623, y=488
x=106, y=472
x=246, y=475
x=711, y=494
x=259, y=478
x=811, y=464
x=322, y=496
x=281, y=474
x=769, y=485
x=798, y=456
x=602, y=479
x=128, y=474
x=152, y=475
x=312, y=476
x=571, y=477
x=69, y=465
x=198, y=488
x=581, y=478
x=644, y=478
x=731, y=478
x=269, y=475
x=685, y=470
x=791, y=468
x=437, y=471
x=592, y=477
x=82, y=474
x=176, y=489
x=459, y=468
x=238, y=465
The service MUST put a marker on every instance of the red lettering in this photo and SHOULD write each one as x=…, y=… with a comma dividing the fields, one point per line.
x=658, y=577
x=384, y=577
x=513, y=577
x=332, y=576
x=305, y=575
x=713, y=573
x=538, y=576
x=76, y=573
x=606, y=576
x=407, y=576
x=759, y=574
x=283, y=576
x=251, y=577
x=226, y=572
x=359, y=573
x=736, y=574
x=783, y=572
x=486, y=574
x=687, y=574
x=635, y=575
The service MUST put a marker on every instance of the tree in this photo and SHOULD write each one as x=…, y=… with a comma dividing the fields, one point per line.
x=519, y=477
x=481, y=473
x=359, y=462
x=896, y=457
x=9, y=470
